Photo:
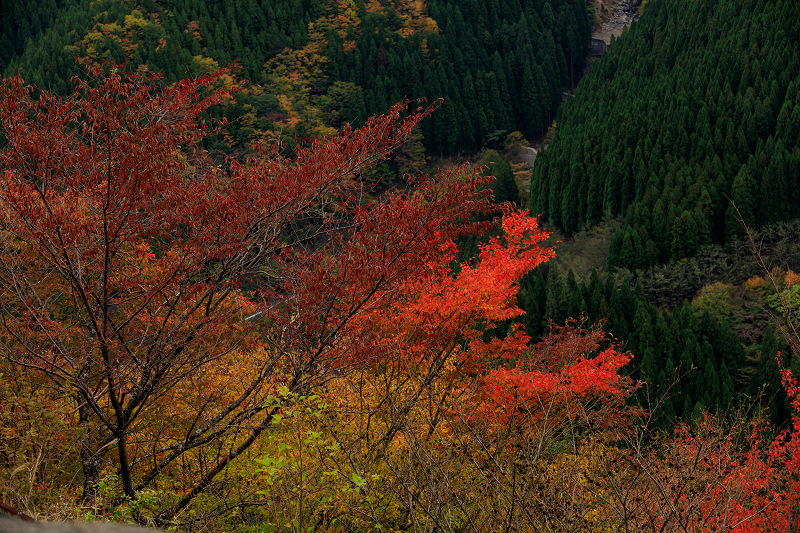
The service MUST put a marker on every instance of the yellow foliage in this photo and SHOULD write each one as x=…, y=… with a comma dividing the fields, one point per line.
x=205, y=65
x=291, y=75
x=716, y=298
x=135, y=21
x=286, y=104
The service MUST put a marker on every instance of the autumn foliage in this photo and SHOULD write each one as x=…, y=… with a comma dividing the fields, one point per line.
x=125, y=248
x=262, y=340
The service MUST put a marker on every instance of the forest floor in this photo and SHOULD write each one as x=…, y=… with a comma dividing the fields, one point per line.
x=522, y=170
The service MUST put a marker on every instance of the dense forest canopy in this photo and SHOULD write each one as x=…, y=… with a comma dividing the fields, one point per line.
x=687, y=123
x=307, y=66
x=696, y=105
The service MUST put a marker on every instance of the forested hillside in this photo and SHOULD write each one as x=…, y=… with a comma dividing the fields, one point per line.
x=242, y=289
x=307, y=66
x=691, y=108
x=714, y=351
x=696, y=105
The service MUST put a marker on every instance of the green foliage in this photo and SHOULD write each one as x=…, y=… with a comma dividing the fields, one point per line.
x=129, y=511
x=688, y=109
x=504, y=187
x=671, y=284
x=691, y=357
x=786, y=303
x=717, y=300
x=497, y=71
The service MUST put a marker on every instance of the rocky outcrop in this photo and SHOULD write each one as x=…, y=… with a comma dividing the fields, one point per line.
x=598, y=48
x=614, y=15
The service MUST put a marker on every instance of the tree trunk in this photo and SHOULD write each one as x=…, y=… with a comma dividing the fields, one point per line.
x=90, y=459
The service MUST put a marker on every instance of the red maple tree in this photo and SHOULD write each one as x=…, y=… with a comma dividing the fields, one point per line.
x=125, y=247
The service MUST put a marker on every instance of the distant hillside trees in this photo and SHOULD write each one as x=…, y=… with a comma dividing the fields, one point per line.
x=698, y=104
x=499, y=65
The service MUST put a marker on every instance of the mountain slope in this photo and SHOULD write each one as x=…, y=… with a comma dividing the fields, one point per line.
x=696, y=104
x=307, y=66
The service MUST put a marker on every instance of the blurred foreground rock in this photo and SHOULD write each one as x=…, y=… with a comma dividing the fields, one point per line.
x=15, y=525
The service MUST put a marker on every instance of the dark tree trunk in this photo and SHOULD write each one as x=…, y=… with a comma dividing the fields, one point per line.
x=90, y=459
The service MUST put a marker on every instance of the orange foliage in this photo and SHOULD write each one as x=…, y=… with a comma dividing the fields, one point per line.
x=557, y=378
x=439, y=311
x=765, y=286
x=194, y=28
x=713, y=481
x=444, y=316
x=735, y=479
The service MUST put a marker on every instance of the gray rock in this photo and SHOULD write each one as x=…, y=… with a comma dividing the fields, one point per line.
x=15, y=525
